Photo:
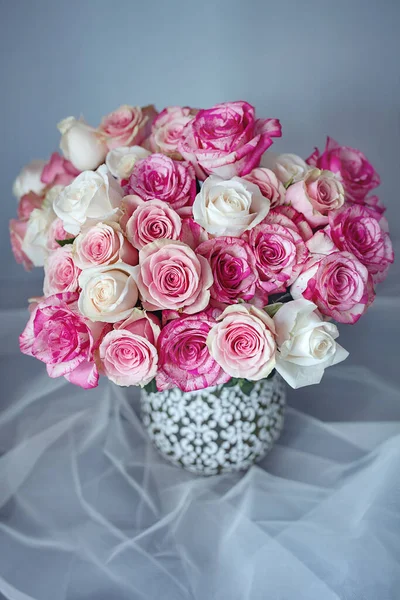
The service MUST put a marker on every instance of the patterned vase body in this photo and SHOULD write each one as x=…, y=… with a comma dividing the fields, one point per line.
x=218, y=429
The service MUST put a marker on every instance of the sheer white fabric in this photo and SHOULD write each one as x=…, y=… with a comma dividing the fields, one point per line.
x=88, y=510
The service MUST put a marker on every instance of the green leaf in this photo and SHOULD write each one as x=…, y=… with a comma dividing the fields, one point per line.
x=151, y=387
x=272, y=309
x=288, y=183
x=232, y=382
x=246, y=386
x=65, y=242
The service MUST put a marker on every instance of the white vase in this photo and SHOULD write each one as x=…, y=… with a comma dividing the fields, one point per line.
x=218, y=429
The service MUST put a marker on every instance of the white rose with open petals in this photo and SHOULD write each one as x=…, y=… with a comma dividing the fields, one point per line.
x=229, y=207
x=81, y=144
x=29, y=179
x=120, y=161
x=306, y=343
x=109, y=293
x=93, y=196
x=287, y=167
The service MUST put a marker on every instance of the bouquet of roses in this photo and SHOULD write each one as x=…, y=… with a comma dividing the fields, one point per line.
x=179, y=252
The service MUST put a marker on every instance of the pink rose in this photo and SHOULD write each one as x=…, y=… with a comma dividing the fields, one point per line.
x=142, y=323
x=127, y=358
x=18, y=229
x=60, y=272
x=280, y=254
x=242, y=342
x=127, y=126
x=281, y=214
x=355, y=230
x=227, y=140
x=337, y=283
x=192, y=233
x=171, y=276
x=60, y=337
x=103, y=244
x=28, y=203
x=357, y=175
x=58, y=171
x=145, y=222
x=316, y=196
x=270, y=186
x=56, y=232
x=233, y=267
x=184, y=359
x=167, y=129
x=159, y=177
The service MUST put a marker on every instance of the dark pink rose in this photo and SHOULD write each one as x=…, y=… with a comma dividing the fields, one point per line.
x=356, y=230
x=184, y=359
x=59, y=336
x=358, y=176
x=28, y=203
x=338, y=284
x=18, y=229
x=58, y=171
x=227, y=140
x=162, y=178
x=127, y=125
x=234, y=269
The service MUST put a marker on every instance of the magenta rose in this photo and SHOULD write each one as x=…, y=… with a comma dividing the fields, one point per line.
x=103, y=244
x=127, y=126
x=59, y=336
x=18, y=229
x=280, y=254
x=358, y=176
x=316, y=196
x=58, y=171
x=167, y=129
x=162, y=178
x=338, y=284
x=270, y=186
x=227, y=140
x=60, y=272
x=355, y=230
x=233, y=267
x=184, y=359
x=243, y=342
x=145, y=222
x=28, y=203
x=171, y=276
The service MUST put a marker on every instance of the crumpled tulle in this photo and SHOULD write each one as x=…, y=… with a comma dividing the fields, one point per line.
x=89, y=510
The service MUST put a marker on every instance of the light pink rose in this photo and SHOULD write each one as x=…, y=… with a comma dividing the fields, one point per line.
x=58, y=171
x=243, y=343
x=127, y=358
x=18, y=229
x=103, y=244
x=336, y=282
x=28, y=203
x=284, y=213
x=227, y=140
x=270, y=186
x=60, y=272
x=56, y=232
x=280, y=254
x=234, y=269
x=145, y=222
x=316, y=196
x=171, y=276
x=355, y=229
x=142, y=323
x=127, y=125
x=167, y=129
x=184, y=359
x=162, y=178
x=358, y=176
x=60, y=337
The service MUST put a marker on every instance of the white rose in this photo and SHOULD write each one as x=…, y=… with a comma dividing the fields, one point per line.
x=109, y=293
x=306, y=344
x=287, y=167
x=35, y=240
x=93, y=196
x=229, y=207
x=81, y=144
x=29, y=180
x=120, y=161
